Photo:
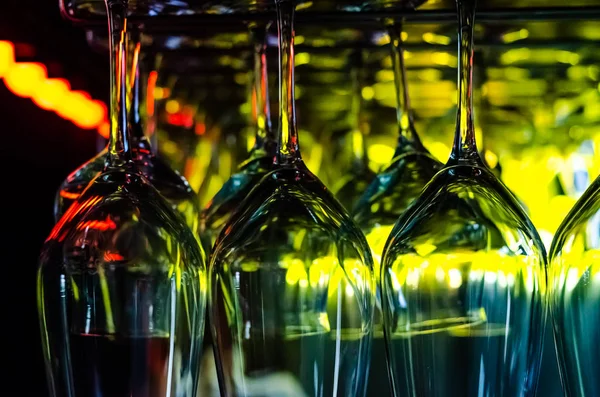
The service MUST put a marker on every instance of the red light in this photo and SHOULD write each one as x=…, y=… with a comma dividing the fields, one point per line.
x=112, y=256
x=200, y=128
x=24, y=78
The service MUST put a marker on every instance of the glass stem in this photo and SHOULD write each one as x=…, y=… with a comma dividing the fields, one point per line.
x=289, y=150
x=118, y=146
x=359, y=144
x=408, y=137
x=265, y=136
x=136, y=123
x=465, y=146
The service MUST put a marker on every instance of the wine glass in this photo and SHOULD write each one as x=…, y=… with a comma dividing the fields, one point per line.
x=463, y=276
x=169, y=182
x=353, y=184
x=391, y=192
x=291, y=285
x=574, y=298
x=260, y=158
x=121, y=285
x=412, y=166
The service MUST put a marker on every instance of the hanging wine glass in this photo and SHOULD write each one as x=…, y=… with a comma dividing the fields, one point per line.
x=391, y=192
x=354, y=183
x=260, y=159
x=411, y=168
x=463, y=275
x=122, y=282
x=168, y=182
x=291, y=286
x=574, y=297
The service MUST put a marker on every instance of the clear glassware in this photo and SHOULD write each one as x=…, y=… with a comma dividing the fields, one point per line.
x=260, y=158
x=122, y=281
x=390, y=193
x=353, y=184
x=412, y=166
x=291, y=288
x=574, y=297
x=463, y=277
x=169, y=182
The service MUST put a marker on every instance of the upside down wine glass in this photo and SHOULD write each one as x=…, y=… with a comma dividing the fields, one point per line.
x=412, y=166
x=122, y=282
x=260, y=159
x=463, y=275
x=575, y=297
x=169, y=182
x=352, y=185
x=291, y=286
x=390, y=193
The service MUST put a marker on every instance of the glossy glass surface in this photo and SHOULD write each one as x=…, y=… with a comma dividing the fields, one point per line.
x=291, y=287
x=574, y=298
x=291, y=283
x=350, y=187
x=260, y=159
x=151, y=8
x=169, y=182
x=464, y=275
x=122, y=281
x=389, y=194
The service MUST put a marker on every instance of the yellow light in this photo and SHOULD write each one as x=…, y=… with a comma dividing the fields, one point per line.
x=304, y=5
x=491, y=158
x=51, y=93
x=439, y=150
x=511, y=37
x=296, y=272
x=433, y=38
x=302, y=58
x=444, y=58
x=161, y=92
x=368, y=93
x=24, y=78
x=299, y=39
x=430, y=74
x=454, y=278
x=349, y=290
x=7, y=57
x=172, y=106
x=380, y=154
x=567, y=57
x=515, y=55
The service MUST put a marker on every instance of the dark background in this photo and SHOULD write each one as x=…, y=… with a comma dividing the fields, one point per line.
x=37, y=152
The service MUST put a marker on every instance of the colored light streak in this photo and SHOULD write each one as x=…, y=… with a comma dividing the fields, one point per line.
x=30, y=80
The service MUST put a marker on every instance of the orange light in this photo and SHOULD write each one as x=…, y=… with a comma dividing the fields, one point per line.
x=112, y=256
x=69, y=195
x=51, y=93
x=7, y=57
x=24, y=78
x=200, y=128
x=104, y=129
x=152, y=78
x=29, y=80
